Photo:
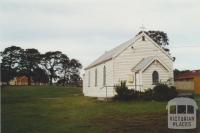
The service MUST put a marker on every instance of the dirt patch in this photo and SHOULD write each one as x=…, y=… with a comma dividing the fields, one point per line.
x=146, y=123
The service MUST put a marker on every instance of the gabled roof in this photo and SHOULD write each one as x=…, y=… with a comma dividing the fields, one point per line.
x=145, y=62
x=110, y=54
x=116, y=51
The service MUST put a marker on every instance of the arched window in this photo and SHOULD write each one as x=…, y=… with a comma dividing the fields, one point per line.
x=155, y=77
x=95, y=77
x=104, y=76
x=89, y=79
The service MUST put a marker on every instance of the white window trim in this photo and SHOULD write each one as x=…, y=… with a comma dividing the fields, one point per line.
x=104, y=76
x=96, y=77
x=88, y=78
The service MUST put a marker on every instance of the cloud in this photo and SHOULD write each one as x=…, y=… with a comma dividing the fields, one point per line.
x=186, y=57
x=85, y=29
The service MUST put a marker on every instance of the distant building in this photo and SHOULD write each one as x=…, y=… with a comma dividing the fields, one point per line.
x=189, y=81
x=21, y=80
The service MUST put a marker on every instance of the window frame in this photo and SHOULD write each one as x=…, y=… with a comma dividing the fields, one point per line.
x=89, y=78
x=96, y=79
x=155, y=77
x=104, y=76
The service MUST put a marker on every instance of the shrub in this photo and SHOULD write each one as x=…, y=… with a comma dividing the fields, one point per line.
x=162, y=92
x=147, y=94
x=123, y=93
x=172, y=92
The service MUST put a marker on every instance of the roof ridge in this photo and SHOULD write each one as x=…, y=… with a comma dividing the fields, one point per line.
x=111, y=53
x=120, y=48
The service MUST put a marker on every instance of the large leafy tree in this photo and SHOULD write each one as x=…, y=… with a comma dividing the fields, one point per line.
x=6, y=74
x=30, y=60
x=11, y=56
x=51, y=61
x=71, y=70
x=75, y=67
x=40, y=76
x=75, y=79
x=159, y=37
x=65, y=62
x=39, y=68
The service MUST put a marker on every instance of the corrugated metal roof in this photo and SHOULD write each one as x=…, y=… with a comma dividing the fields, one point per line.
x=144, y=62
x=115, y=51
x=110, y=54
x=187, y=75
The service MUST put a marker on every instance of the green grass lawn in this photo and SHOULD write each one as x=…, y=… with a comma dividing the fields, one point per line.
x=45, y=109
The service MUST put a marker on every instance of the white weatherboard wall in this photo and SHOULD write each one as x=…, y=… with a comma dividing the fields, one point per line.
x=130, y=58
x=99, y=90
x=119, y=67
x=147, y=74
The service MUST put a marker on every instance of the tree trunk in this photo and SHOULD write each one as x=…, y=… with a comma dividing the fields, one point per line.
x=29, y=80
x=29, y=76
x=64, y=81
x=50, y=81
x=9, y=76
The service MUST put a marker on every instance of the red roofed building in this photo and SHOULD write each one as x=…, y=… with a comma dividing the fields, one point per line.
x=189, y=80
x=188, y=75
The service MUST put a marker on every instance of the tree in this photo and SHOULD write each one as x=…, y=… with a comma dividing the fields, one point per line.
x=75, y=67
x=159, y=37
x=65, y=61
x=5, y=76
x=176, y=72
x=71, y=70
x=75, y=79
x=51, y=61
x=39, y=68
x=30, y=61
x=11, y=56
x=40, y=76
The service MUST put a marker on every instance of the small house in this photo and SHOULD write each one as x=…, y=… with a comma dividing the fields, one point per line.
x=20, y=80
x=188, y=81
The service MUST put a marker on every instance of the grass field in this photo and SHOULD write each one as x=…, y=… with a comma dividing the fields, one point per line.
x=45, y=109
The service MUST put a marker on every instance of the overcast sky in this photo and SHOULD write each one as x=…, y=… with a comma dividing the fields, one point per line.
x=85, y=29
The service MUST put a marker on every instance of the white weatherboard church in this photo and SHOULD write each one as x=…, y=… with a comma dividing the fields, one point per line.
x=140, y=61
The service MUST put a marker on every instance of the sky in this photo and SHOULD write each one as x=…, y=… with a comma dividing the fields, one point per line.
x=85, y=29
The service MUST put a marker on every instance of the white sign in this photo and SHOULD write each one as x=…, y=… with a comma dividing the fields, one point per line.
x=182, y=113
